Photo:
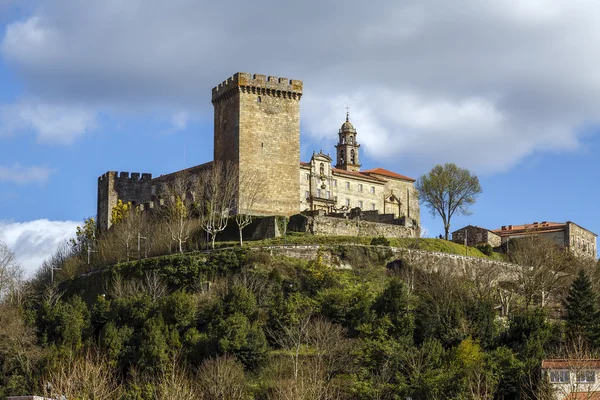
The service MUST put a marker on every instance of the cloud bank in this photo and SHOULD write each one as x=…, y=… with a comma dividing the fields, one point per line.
x=485, y=84
x=21, y=175
x=34, y=241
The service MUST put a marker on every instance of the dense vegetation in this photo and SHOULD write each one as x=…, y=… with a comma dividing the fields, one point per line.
x=241, y=324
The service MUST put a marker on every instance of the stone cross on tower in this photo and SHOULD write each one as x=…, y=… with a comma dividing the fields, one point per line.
x=347, y=147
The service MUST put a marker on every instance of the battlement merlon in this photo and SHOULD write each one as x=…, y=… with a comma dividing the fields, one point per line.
x=124, y=176
x=258, y=83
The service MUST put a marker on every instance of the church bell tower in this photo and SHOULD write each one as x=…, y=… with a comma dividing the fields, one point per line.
x=347, y=147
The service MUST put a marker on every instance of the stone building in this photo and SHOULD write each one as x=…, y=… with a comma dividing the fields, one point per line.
x=257, y=129
x=568, y=235
x=475, y=235
x=573, y=379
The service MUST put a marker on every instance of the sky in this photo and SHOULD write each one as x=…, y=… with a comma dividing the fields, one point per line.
x=509, y=90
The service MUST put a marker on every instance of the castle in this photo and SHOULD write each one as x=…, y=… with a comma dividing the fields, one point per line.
x=257, y=129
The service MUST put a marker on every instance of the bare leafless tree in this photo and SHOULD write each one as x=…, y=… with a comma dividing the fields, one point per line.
x=216, y=191
x=222, y=378
x=543, y=266
x=11, y=274
x=88, y=376
x=177, y=198
x=251, y=189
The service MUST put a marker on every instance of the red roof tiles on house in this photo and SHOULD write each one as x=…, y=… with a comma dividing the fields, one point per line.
x=564, y=363
x=385, y=172
x=530, y=228
x=583, y=396
x=357, y=174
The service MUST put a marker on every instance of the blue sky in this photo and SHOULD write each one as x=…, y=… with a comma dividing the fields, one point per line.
x=508, y=91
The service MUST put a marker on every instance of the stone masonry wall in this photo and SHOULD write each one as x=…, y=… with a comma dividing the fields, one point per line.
x=331, y=226
x=265, y=135
x=580, y=241
x=476, y=235
x=114, y=186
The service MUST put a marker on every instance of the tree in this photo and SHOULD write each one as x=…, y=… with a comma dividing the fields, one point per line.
x=216, y=193
x=251, y=189
x=542, y=266
x=447, y=190
x=177, y=216
x=582, y=311
x=11, y=274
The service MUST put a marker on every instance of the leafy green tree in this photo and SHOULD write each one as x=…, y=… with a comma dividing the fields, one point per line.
x=508, y=370
x=245, y=340
x=447, y=190
x=582, y=317
x=394, y=302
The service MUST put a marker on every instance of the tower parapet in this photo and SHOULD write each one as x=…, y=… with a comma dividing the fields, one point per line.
x=260, y=84
x=114, y=186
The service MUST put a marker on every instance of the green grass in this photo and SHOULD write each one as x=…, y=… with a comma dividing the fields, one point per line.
x=298, y=238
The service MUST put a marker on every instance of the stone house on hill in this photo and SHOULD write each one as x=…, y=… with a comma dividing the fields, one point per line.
x=573, y=379
x=475, y=235
x=580, y=241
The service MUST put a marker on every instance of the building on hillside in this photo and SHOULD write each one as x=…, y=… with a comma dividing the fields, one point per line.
x=475, y=235
x=573, y=379
x=580, y=241
x=257, y=129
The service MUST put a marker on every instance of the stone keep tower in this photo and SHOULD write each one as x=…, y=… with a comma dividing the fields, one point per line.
x=257, y=128
x=347, y=147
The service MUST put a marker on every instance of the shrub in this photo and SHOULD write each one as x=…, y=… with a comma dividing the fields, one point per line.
x=485, y=248
x=380, y=241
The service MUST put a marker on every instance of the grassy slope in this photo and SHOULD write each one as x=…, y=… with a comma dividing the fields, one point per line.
x=439, y=245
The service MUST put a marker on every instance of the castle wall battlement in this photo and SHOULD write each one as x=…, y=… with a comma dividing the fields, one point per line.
x=124, y=176
x=257, y=83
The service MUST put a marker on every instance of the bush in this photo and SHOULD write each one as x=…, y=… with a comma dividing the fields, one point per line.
x=380, y=241
x=485, y=248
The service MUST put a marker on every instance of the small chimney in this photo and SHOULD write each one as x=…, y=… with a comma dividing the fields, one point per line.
x=510, y=227
x=503, y=227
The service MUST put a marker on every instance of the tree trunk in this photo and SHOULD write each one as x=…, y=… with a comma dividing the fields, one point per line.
x=241, y=237
x=212, y=239
x=446, y=231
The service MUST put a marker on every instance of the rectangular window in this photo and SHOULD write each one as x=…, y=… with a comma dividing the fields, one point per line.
x=373, y=189
x=348, y=202
x=307, y=177
x=335, y=199
x=347, y=185
x=328, y=195
x=360, y=187
x=360, y=204
x=560, y=376
x=306, y=194
x=335, y=182
x=373, y=206
x=318, y=192
x=586, y=376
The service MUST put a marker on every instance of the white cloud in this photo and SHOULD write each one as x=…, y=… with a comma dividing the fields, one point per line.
x=53, y=123
x=21, y=175
x=34, y=241
x=487, y=83
x=179, y=120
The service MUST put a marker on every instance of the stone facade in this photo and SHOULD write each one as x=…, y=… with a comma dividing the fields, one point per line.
x=332, y=226
x=475, y=235
x=257, y=128
x=568, y=235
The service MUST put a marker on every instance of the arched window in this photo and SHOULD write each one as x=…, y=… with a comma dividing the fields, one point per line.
x=351, y=140
x=343, y=140
x=352, y=156
x=341, y=156
x=258, y=99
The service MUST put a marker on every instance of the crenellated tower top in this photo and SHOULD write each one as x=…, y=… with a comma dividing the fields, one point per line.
x=260, y=84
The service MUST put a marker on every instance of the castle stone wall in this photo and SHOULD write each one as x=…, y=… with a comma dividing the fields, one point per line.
x=114, y=186
x=580, y=241
x=331, y=226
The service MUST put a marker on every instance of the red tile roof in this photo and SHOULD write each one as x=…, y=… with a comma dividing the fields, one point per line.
x=564, y=363
x=385, y=172
x=357, y=174
x=583, y=396
x=530, y=228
